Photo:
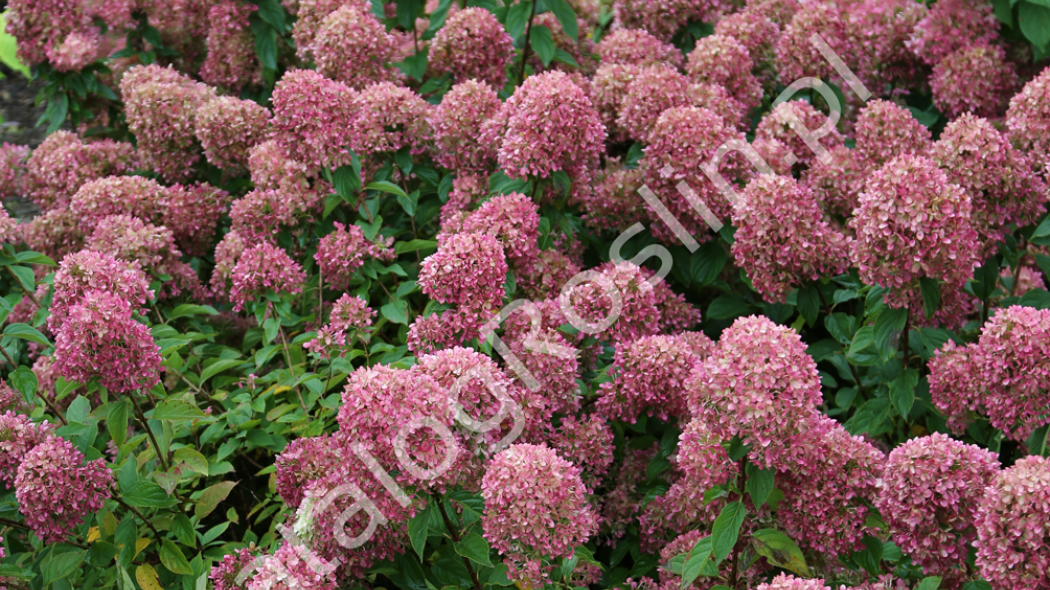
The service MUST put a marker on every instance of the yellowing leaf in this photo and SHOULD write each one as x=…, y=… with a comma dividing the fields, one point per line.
x=212, y=496
x=93, y=535
x=147, y=577
x=140, y=545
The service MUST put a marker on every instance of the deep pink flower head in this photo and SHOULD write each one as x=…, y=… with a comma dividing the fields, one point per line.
x=161, y=105
x=929, y=494
x=650, y=375
x=913, y=223
x=63, y=163
x=311, y=118
x=77, y=50
x=759, y=384
x=788, y=582
x=231, y=61
x=261, y=268
x=975, y=79
x=273, y=168
x=535, y=504
x=306, y=459
x=615, y=302
x=837, y=180
x=614, y=203
x=100, y=340
x=86, y=271
x=18, y=434
x=880, y=31
x=951, y=25
x=12, y=168
x=227, y=253
x=549, y=124
x=546, y=275
x=262, y=214
x=41, y=26
x=472, y=45
x=663, y=18
x=387, y=118
x=954, y=386
x=655, y=89
x=1002, y=187
x=224, y=574
x=293, y=567
x=55, y=489
x=514, y=220
x=637, y=47
x=797, y=57
x=1028, y=119
x=457, y=123
x=468, y=270
x=829, y=484
x=352, y=47
x=192, y=212
x=1012, y=517
x=723, y=60
x=467, y=190
x=783, y=121
x=343, y=251
x=586, y=442
x=116, y=195
x=683, y=140
x=782, y=240
x=131, y=239
x=758, y=34
x=227, y=128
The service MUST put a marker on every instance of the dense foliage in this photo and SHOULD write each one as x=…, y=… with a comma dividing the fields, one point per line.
x=537, y=293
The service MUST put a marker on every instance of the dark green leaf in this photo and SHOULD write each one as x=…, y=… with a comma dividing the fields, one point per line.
x=62, y=565
x=707, y=262
x=25, y=277
x=146, y=494
x=173, y=559
x=1035, y=23
x=542, y=43
x=930, y=583
x=780, y=550
x=726, y=530
x=190, y=309
x=25, y=381
x=871, y=557
x=29, y=257
x=347, y=182
x=566, y=16
x=759, y=484
x=902, y=391
x=117, y=421
x=417, y=531
x=888, y=326
x=387, y=187
x=869, y=416
x=272, y=12
x=176, y=410
x=808, y=303
x=727, y=307
x=931, y=295
x=26, y=332
x=475, y=548
x=517, y=18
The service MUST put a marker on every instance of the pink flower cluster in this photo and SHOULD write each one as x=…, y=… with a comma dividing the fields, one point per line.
x=472, y=46
x=344, y=250
x=263, y=268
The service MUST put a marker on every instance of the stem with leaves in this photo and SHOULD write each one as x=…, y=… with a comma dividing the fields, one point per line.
x=455, y=539
x=525, y=50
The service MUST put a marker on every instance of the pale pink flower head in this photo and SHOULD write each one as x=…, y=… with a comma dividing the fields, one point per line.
x=468, y=189
x=548, y=125
x=131, y=239
x=309, y=16
x=468, y=270
x=615, y=302
x=77, y=50
x=651, y=91
x=535, y=504
x=587, y=442
x=9, y=232
x=228, y=128
x=56, y=489
x=192, y=212
x=56, y=233
x=12, y=167
x=951, y=25
x=354, y=48
x=954, y=383
x=757, y=33
x=789, y=582
x=472, y=45
x=1028, y=119
x=86, y=271
x=262, y=214
x=116, y=195
x=607, y=89
x=975, y=79
x=100, y=340
x=783, y=122
x=886, y=130
x=637, y=47
x=18, y=434
x=797, y=57
x=231, y=62
x=614, y=203
x=649, y=377
x=160, y=105
x=1002, y=187
x=457, y=123
x=39, y=25
x=782, y=240
x=880, y=30
x=343, y=251
x=63, y=163
x=725, y=61
x=913, y=223
x=293, y=567
x=837, y=180
x=929, y=494
x=312, y=118
x=684, y=139
x=387, y=118
x=514, y=220
x=1012, y=548
x=227, y=253
x=262, y=268
x=759, y=384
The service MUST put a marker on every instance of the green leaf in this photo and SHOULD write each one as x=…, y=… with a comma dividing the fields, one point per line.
x=929, y=583
x=417, y=531
x=902, y=391
x=176, y=410
x=726, y=530
x=707, y=262
x=696, y=561
x=347, y=182
x=414, y=245
x=190, y=309
x=272, y=12
x=396, y=312
x=542, y=43
x=727, y=307
x=117, y=422
x=869, y=416
x=808, y=303
x=977, y=585
x=517, y=18
x=24, y=380
x=62, y=565
x=57, y=109
x=780, y=550
x=475, y=548
x=26, y=332
x=266, y=46
x=29, y=257
x=931, y=295
x=759, y=483
x=437, y=19
x=387, y=187
x=146, y=494
x=890, y=323
x=1035, y=23
x=567, y=17
x=871, y=557
x=78, y=410
x=211, y=497
x=218, y=367
x=173, y=559
x=1037, y=442
x=197, y=462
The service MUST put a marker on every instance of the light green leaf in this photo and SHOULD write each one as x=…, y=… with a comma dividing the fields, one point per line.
x=173, y=409
x=475, y=548
x=387, y=187
x=726, y=530
x=218, y=367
